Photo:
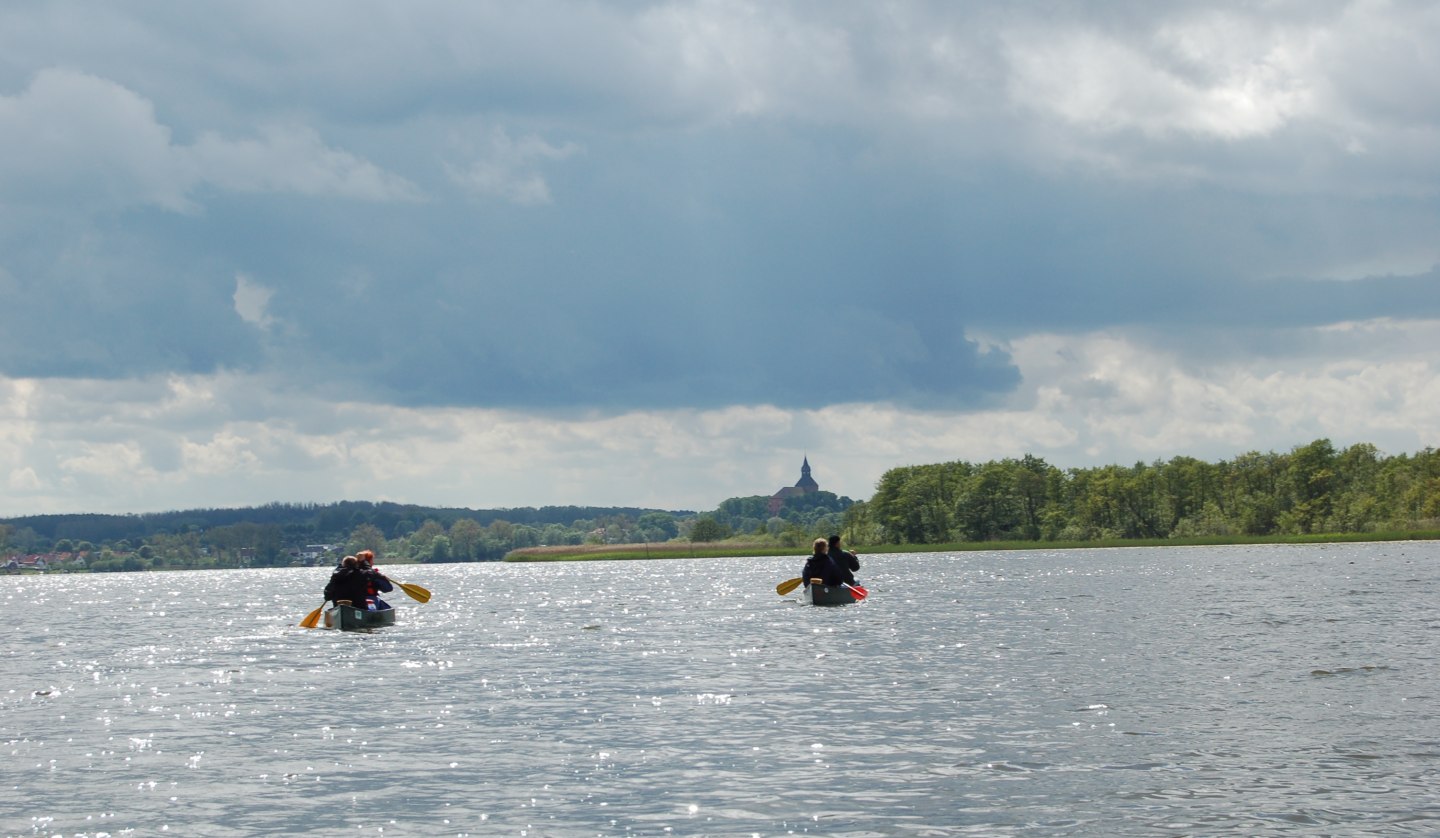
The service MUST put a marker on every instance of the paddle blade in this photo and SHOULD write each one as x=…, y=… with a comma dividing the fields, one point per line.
x=415, y=592
x=313, y=618
x=858, y=592
x=788, y=585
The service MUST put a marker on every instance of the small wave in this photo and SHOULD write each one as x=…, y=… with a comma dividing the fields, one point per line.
x=1137, y=766
x=1007, y=767
x=1348, y=670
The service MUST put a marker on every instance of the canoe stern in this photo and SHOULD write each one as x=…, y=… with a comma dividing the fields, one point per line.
x=349, y=618
x=830, y=595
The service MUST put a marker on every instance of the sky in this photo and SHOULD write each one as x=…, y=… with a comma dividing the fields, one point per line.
x=654, y=254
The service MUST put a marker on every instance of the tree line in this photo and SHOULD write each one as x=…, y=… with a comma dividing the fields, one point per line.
x=281, y=534
x=285, y=534
x=799, y=520
x=1312, y=489
x=298, y=521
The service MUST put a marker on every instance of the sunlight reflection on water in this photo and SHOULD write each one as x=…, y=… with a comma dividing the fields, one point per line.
x=1223, y=691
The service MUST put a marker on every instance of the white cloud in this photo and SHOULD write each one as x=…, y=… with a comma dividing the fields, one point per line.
x=111, y=461
x=23, y=481
x=252, y=301
x=1215, y=78
x=1127, y=396
x=72, y=136
x=294, y=159
x=230, y=452
x=17, y=436
x=1088, y=399
x=509, y=168
x=730, y=60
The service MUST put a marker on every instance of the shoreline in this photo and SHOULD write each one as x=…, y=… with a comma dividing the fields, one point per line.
x=744, y=549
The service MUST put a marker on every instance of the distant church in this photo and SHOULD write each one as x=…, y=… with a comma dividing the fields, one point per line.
x=805, y=486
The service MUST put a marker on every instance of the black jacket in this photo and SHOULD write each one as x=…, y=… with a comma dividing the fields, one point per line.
x=822, y=567
x=848, y=562
x=348, y=583
x=379, y=584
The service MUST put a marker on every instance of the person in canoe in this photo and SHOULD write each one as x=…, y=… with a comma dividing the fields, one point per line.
x=848, y=561
x=821, y=566
x=349, y=583
x=378, y=582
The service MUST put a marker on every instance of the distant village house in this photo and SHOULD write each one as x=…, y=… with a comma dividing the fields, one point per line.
x=42, y=562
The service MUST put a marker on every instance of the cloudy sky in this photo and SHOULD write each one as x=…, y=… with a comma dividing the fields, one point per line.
x=654, y=253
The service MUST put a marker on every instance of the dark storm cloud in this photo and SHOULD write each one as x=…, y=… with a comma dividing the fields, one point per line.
x=652, y=205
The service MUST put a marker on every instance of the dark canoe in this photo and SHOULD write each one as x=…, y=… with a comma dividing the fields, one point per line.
x=348, y=618
x=828, y=595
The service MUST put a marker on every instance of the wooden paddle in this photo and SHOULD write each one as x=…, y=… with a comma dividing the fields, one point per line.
x=856, y=591
x=415, y=592
x=313, y=618
x=788, y=585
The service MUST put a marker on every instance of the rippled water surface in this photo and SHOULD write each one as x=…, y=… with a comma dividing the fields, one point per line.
x=1184, y=691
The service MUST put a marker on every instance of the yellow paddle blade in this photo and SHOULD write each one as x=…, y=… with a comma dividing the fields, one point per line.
x=788, y=585
x=415, y=592
x=313, y=618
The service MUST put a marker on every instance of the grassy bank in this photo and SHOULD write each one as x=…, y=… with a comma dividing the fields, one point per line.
x=666, y=550
x=724, y=549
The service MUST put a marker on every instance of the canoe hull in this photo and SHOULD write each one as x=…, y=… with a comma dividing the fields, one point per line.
x=830, y=595
x=349, y=618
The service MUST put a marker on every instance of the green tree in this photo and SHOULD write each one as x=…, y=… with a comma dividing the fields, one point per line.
x=524, y=536
x=1310, y=480
x=988, y=507
x=1190, y=490
x=466, y=536
x=707, y=529
x=419, y=541
x=916, y=504
x=558, y=534
x=1252, y=489
x=501, y=530
x=658, y=526
x=365, y=537
x=752, y=506
x=858, y=525
x=24, y=539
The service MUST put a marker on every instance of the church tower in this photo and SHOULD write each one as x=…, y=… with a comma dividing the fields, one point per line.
x=805, y=486
x=806, y=481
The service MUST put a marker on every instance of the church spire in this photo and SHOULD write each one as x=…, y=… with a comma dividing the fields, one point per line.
x=806, y=481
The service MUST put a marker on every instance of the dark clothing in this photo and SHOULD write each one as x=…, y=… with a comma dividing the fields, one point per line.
x=848, y=562
x=847, y=559
x=821, y=566
x=378, y=585
x=349, y=583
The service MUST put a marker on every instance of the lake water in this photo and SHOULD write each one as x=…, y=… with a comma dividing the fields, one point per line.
x=1243, y=691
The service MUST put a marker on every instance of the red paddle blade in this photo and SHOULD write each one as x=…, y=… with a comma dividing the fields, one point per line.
x=858, y=592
